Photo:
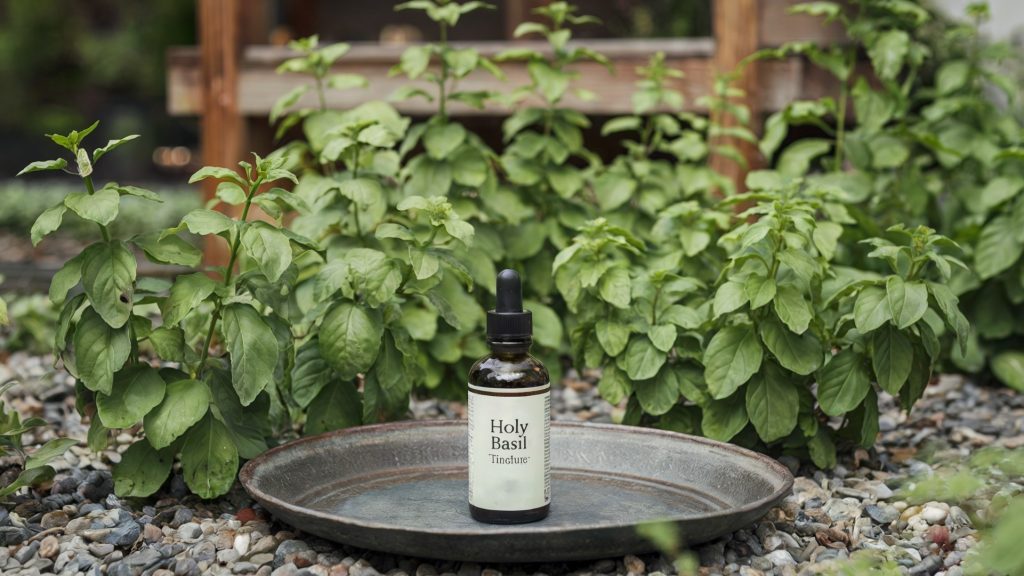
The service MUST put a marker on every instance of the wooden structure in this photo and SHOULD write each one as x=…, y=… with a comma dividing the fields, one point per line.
x=230, y=78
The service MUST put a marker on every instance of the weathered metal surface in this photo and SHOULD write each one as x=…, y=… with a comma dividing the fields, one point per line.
x=401, y=488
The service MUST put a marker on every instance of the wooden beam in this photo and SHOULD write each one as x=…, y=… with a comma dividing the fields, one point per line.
x=736, y=37
x=779, y=82
x=222, y=128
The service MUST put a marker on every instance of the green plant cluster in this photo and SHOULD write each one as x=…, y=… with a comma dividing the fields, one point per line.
x=365, y=249
x=35, y=466
x=936, y=142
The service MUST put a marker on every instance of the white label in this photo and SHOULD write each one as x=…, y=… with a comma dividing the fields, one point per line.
x=509, y=447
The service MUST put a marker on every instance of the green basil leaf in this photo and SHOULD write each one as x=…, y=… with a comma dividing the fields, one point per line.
x=800, y=353
x=100, y=351
x=871, y=309
x=642, y=359
x=141, y=471
x=350, y=338
x=310, y=374
x=729, y=297
x=338, y=405
x=253, y=348
x=616, y=287
x=268, y=247
x=209, y=458
x=614, y=385
x=793, y=309
x=108, y=277
x=773, y=403
x=169, y=250
x=759, y=291
x=66, y=278
x=658, y=395
x=185, y=402
x=891, y=357
x=908, y=301
x=440, y=140
x=723, y=419
x=100, y=207
x=1009, y=368
x=733, y=355
x=47, y=223
x=843, y=383
x=186, y=294
x=137, y=390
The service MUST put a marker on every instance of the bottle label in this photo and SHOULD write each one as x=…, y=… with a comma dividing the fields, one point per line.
x=509, y=447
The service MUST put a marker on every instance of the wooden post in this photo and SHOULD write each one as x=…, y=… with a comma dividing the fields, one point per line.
x=222, y=126
x=517, y=12
x=736, y=37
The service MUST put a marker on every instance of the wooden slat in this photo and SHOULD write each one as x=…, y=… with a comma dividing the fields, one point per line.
x=736, y=32
x=222, y=127
x=778, y=26
x=779, y=82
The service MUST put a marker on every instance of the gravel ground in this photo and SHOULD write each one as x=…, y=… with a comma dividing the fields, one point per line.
x=77, y=525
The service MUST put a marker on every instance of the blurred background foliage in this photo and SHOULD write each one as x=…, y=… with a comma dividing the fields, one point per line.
x=64, y=63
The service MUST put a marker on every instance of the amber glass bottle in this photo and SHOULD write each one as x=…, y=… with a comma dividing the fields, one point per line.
x=509, y=418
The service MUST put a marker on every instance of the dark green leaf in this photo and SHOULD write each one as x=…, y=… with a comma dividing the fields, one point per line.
x=108, y=277
x=169, y=250
x=185, y=296
x=141, y=471
x=253, y=348
x=100, y=351
x=843, y=383
x=723, y=419
x=871, y=309
x=892, y=357
x=908, y=301
x=773, y=403
x=137, y=389
x=209, y=458
x=732, y=357
x=350, y=338
x=800, y=353
x=184, y=404
x=642, y=359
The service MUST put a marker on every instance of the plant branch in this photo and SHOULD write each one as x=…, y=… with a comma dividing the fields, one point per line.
x=228, y=273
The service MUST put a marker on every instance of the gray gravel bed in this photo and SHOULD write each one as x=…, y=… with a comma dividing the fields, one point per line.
x=78, y=526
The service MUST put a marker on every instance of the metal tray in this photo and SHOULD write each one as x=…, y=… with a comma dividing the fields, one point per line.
x=401, y=488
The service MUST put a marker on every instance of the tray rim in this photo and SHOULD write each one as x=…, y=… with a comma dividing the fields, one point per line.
x=246, y=477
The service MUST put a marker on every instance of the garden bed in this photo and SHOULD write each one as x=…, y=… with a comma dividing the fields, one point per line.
x=864, y=504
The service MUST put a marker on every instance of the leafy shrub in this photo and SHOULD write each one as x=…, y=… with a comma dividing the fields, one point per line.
x=931, y=146
x=209, y=410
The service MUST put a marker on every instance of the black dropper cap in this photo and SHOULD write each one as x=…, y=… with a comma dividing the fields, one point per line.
x=508, y=322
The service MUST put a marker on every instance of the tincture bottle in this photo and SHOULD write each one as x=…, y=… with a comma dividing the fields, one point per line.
x=509, y=418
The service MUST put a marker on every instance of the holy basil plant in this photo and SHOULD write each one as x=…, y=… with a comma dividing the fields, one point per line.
x=230, y=347
x=933, y=144
x=634, y=320
x=376, y=316
x=545, y=145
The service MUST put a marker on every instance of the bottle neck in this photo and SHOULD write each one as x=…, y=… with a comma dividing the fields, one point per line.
x=510, y=347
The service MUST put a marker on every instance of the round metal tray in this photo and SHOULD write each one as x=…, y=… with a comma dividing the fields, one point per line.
x=401, y=488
